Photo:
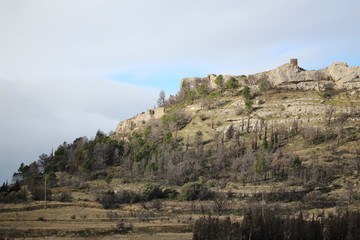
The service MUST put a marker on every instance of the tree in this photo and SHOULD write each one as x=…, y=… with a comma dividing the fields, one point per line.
x=259, y=166
x=219, y=80
x=44, y=162
x=232, y=83
x=203, y=90
x=190, y=97
x=246, y=92
x=248, y=105
x=161, y=101
x=230, y=132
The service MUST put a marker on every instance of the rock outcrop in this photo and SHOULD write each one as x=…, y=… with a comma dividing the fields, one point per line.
x=140, y=120
x=290, y=76
x=338, y=76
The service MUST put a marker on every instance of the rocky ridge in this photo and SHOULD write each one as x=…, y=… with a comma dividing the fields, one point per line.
x=338, y=76
x=309, y=108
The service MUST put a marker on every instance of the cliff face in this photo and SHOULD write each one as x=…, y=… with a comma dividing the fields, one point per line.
x=139, y=120
x=338, y=76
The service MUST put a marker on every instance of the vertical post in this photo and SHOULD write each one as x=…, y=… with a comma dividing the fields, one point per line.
x=45, y=192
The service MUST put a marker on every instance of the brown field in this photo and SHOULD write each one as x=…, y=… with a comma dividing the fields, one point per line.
x=82, y=220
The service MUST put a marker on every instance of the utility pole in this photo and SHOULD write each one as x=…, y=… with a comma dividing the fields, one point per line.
x=45, y=192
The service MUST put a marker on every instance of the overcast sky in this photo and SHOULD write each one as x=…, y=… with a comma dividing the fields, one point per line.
x=71, y=67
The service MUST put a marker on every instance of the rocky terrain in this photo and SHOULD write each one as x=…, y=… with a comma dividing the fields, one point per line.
x=309, y=107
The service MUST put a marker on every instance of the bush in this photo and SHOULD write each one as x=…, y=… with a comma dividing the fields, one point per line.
x=246, y=92
x=170, y=193
x=219, y=80
x=203, y=116
x=265, y=86
x=248, y=105
x=128, y=196
x=177, y=117
x=203, y=90
x=37, y=193
x=107, y=199
x=190, y=97
x=232, y=83
x=214, y=95
x=13, y=197
x=195, y=191
x=63, y=197
x=152, y=191
x=123, y=228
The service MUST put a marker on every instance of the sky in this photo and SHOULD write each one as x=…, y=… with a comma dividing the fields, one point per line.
x=71, y=67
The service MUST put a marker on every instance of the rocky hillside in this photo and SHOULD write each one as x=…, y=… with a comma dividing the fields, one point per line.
x=308, y=101
x=260, y=148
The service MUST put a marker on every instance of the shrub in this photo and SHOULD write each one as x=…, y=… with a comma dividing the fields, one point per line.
x=203, y=116
x=265, y=86
x=156, y=204
x=152, y=191
x=214, y=95
x=123, y=228
x=203, y=90
x=219, y=80
x=37, y=193
x=232, y=83
x=63, y=197
x=178, y=118
x=248, y=105
x=246, y=92
x=195, y=191
x=170, y=193
x=191, y=95
x=128, y=196
x=107, y=199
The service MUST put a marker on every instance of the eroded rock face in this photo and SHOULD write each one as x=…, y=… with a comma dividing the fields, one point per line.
x=344, y=76
x=139, y=120
x=292, y=77
x=338, y=75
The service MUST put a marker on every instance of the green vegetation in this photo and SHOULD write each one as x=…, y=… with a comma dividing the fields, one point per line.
x=246, y=92
x=232, y=83
x=219, y=80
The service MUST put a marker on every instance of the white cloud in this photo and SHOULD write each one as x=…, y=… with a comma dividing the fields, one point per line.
x=56, y=57
x=39, y=115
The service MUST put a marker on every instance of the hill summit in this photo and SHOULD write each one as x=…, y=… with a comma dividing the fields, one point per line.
x=337, y=77
x=290, y=76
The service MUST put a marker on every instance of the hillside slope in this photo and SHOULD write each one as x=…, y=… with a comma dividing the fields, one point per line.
x=222, y=145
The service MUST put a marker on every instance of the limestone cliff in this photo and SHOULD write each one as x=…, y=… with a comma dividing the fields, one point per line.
x=139, y=120
x=309, y=108
x=338, y=76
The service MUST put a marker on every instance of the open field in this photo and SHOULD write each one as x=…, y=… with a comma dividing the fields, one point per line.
x=83, y=220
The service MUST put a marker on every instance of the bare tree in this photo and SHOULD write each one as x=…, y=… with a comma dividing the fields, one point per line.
x=161, y=101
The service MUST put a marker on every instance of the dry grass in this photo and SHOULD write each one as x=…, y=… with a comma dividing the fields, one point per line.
x=74, y=220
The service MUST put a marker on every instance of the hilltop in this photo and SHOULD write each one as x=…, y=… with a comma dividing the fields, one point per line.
x=337, y=77
x=285, y=140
